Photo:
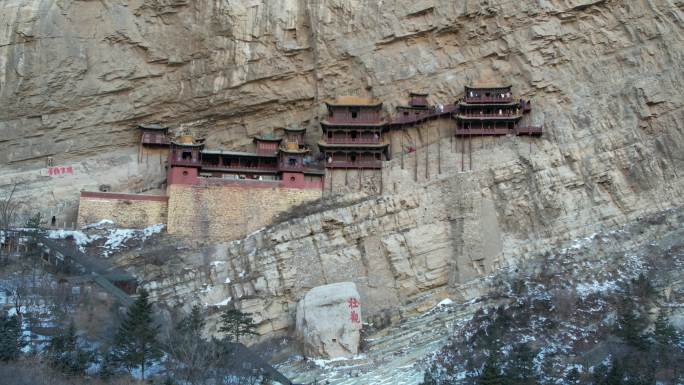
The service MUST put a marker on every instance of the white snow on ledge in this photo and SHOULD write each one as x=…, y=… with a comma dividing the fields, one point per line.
x=115, y=238
x=224, y=302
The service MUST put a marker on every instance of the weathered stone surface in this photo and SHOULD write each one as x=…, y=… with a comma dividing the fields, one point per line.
x=329, y=321
x=604, y=78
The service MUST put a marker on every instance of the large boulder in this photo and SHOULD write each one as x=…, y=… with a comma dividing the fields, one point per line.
x=329, y=321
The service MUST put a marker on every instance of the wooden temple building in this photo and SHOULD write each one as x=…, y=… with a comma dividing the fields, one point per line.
x=276, y=159
x=352, y=134
x=154, y=135
x=492, y=111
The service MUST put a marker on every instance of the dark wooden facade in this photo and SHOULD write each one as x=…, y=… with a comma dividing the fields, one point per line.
x=352, y=133
x=492, y=111
x=154, y=135
x=273, y=159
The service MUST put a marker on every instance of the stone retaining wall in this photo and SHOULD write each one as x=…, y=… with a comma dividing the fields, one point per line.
x=230, y=210
x=126, y=210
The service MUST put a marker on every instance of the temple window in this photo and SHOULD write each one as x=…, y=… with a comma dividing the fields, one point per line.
x=352, y=157
x=292, y=161
x=186, y=155
x=330, y=134
x=377, y=156
x=353, y=135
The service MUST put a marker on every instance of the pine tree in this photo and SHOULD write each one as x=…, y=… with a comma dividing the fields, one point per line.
x=192, y=354
x=236, y=324
x=135, y=344
x=430, y=376
x=491, y=372
x=615, y=374
x=573, y=376
x=11, y=341
x=664, y=333
x=65, y=354
x=665, y=336
x=521, y=365
x=193, y=323
x=630, y=325
x=107, y=365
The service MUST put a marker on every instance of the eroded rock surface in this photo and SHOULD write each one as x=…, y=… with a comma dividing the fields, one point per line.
x=329, y=321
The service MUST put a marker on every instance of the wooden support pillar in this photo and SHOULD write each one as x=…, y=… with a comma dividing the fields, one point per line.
x=402, y=147
x=470, y=152
x=439, y=147
x=415, y=174
x=462, y=154
x=359, y=171
x=427, y=154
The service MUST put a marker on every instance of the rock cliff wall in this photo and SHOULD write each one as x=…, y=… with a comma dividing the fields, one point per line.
x=604, y=78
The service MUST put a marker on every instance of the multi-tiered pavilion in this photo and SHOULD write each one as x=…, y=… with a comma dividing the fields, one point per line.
x=352, y=133
x=492, y=111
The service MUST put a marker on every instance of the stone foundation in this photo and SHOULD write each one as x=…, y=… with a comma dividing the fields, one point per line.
x=126, y=210
x=230, y=209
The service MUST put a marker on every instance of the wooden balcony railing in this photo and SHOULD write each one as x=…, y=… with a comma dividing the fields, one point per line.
x=357, y=164
x=239, y=167
x=488, y=116
x=483, y=131
x=487, y=99
x=350, y=120
x=339, y=140
x=530, y=130
x=184, y=162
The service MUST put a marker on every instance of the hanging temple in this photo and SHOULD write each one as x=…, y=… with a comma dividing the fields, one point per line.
x=224, y=194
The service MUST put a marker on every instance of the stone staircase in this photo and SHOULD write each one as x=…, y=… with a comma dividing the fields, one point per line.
x=393, y=356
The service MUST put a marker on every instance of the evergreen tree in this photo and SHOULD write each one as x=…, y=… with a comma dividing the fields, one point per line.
x=430, y=377
x=630, y=325
x=641, y=287
x=107, y=365
x=135, y=343
x=521, y=365
x=65, y=355
x=491, y=372
x=666, y=339
x=34, y=225
x=573, y=376
x=615, y=374
x=664, y=333
x=193, y=323
x=236, y=324
x=600, y=374
x=11, y=341
x=192, y=355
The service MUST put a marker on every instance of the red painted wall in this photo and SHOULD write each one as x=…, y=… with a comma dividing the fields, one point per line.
x=182, y=175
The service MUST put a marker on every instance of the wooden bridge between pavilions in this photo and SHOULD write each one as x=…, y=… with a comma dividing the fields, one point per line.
x=422, y=115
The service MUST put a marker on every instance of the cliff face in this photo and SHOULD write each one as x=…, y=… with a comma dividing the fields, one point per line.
x=603, y=77
x=75, y=76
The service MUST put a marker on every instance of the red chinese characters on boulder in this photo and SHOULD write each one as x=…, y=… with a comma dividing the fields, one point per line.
x=353, y=304
x=60, y=170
